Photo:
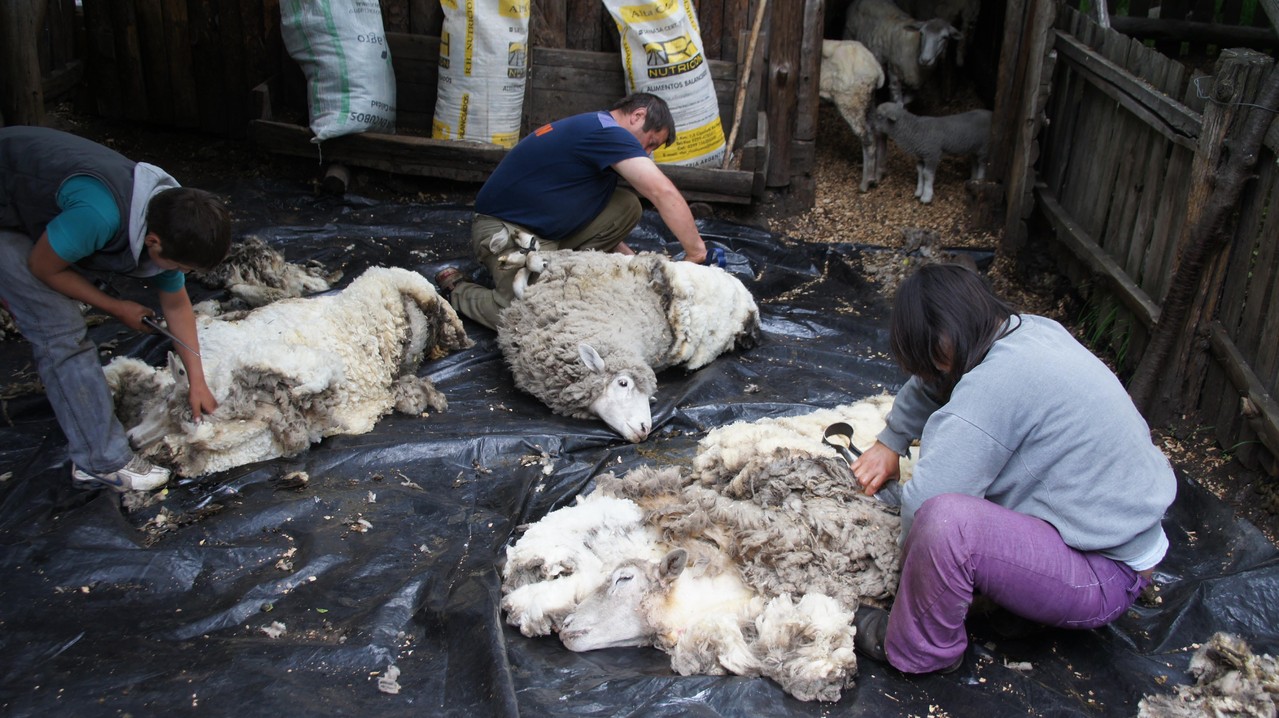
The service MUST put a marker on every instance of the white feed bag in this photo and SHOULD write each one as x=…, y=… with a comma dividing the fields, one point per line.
x=662, y=53
x=483, y=67
x=340, y=44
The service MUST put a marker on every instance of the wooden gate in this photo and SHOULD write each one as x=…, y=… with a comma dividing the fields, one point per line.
x=1129, y=155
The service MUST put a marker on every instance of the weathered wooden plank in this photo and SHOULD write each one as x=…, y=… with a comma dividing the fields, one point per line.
x=103, y=77
x=1109, y=148
x=710, y=23
x=783, y=80
x=1062, y=110
x=1027, y=100
x=1263, y=416
x=736, y=29
x=425, y=17
x=128, y=54
x=1103, y=265
x=182, y=83
x=1208, y=33
x=586, y=25
x=1125, y=223
x=155, y=61
x=1173, y=118
x=1008, y=87
x=548, y=24
x=63, y=80
x=810, y=63
x=21, y=91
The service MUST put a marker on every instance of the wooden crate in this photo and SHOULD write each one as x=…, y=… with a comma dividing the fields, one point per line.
x=561, y=82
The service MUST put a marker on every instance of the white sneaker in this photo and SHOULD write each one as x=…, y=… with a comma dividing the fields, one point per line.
x=137, y=475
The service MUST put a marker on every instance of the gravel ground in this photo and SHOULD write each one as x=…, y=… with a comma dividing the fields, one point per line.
x=887, y=216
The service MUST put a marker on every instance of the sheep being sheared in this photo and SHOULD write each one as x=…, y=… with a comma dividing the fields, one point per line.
x=1230, y=680
x=589, y=336
x=290, y=373
x=753, y=565
x=257, y=274
x=850, y=75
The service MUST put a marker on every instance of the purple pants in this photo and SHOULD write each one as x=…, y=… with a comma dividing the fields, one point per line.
x=962, y=544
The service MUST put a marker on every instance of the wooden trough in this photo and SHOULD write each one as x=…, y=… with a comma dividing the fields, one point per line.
x=561, y=82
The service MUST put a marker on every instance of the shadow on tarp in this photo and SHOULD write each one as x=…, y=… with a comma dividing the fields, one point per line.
x=390, y=554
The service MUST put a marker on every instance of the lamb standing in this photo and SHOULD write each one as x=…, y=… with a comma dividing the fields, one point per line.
x=290, y=373
x=907, y=48
x=753, y=565
x=850, y=75
x=589, y=336
x=928, y=138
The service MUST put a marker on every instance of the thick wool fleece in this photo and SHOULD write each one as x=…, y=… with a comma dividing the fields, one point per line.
x=641, y=313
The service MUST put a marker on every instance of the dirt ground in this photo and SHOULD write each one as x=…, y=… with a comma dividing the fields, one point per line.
x=888, y=216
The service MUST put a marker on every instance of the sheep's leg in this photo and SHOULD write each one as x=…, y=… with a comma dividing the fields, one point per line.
x=895, y=88
x=979, y=167
x=927, y=172
x=881, y=155
x=919, y=179
x=870, y=164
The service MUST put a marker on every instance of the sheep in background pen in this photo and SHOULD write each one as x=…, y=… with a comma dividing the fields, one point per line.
x=849, y=77
x=290, y=373
x=589, y=336
x=753, y=564
x=907, y=49
x=928, y=138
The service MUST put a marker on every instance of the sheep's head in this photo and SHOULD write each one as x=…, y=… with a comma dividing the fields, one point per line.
x=615, y=614
x=623, y=402
x=934, y=36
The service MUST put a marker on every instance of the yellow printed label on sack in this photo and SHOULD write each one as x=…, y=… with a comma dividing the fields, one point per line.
x=448, y=4
x=470, y=37
x=692, y=142
x=506, y=139
x=516, y=59
x=441, y=130
x=444, y=49
x=461, y=120
x=514, y=8
x=648, y=12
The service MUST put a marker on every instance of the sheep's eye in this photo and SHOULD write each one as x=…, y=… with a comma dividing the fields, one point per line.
x=623, y=383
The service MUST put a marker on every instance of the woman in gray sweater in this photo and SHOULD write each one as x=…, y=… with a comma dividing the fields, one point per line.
x=1037, y=485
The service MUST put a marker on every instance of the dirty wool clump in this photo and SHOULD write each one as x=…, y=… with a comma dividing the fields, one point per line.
x=1229, y=681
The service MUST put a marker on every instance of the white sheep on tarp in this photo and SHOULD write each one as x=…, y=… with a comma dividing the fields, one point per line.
x=752, y=564
x=588, y=337
x=290, y=373
x=257, y=274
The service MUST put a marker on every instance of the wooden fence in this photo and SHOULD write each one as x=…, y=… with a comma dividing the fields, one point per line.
x=1131, y=141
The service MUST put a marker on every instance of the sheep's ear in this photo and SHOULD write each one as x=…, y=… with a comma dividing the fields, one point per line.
x=590, y=357
x=498, y=241
x=673, y=564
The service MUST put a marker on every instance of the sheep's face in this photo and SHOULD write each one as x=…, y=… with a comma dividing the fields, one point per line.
x=614, y=615
x=622, y=403
x=934, y=36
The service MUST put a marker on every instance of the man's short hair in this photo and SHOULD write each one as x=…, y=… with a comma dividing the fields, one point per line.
x=658, y=116
x=193, y=226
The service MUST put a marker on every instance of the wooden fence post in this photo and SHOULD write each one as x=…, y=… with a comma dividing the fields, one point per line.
x=1219, y=172
x=21, y=92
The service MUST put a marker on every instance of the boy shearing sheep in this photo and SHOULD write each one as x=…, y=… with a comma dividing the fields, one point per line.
x=68, y=206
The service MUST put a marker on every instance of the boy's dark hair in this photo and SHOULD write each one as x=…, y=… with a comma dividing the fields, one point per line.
x=193, y=226
x=945, y=312
x=658, y=115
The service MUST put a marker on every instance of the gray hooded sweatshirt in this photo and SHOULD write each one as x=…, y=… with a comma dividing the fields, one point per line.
x=1042, y=427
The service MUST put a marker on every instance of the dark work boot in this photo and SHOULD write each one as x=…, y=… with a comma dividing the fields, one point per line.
x=872, y=626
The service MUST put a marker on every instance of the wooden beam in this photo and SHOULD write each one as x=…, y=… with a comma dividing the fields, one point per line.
x=1170, y=118
x=1205, y=32
x=1271, y=7
x=21, y=92
x=1091, y=254
x=1261, y=412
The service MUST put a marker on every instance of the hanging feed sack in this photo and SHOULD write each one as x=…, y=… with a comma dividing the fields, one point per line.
x=483, y=66
x=340, y=44
x=662, y=53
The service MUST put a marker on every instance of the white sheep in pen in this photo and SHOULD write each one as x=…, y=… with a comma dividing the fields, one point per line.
x=849, y=77
x=589, y=336
x=927, y=139
x=908, y=49
x=753, y=564
x=290, y=373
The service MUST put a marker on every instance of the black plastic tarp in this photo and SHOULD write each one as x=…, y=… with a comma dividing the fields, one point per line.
x=253, y=598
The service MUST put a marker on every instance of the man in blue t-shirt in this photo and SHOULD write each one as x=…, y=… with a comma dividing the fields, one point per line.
x=560, y=184
x=70, y=206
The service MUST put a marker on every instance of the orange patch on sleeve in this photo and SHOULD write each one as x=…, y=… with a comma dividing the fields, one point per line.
x=542, y=130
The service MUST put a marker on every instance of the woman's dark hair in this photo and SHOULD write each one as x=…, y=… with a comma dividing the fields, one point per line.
x=657, y=118
x=193, y=226
x=945, y=313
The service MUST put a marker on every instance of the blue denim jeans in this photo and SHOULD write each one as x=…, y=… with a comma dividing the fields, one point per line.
x=959, y=544
x=66, y=359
